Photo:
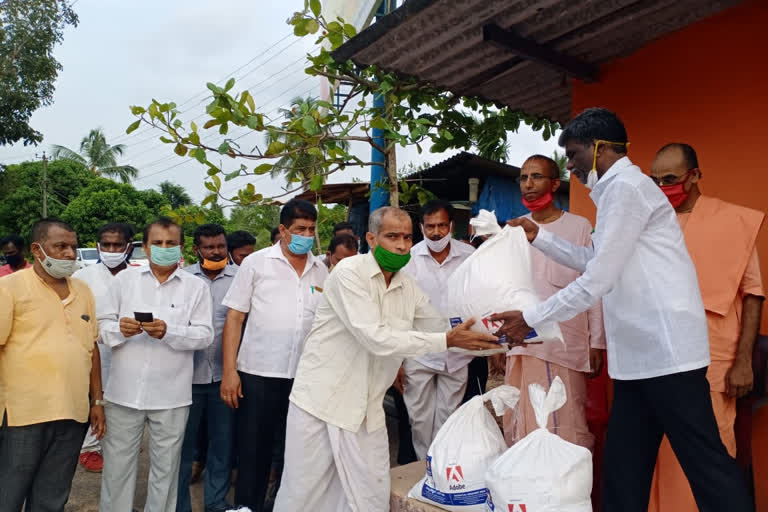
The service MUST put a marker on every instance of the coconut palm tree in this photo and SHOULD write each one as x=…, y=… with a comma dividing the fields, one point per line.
x=298, y=167
x=98, y=156
x=175, y=194
x=561, y=160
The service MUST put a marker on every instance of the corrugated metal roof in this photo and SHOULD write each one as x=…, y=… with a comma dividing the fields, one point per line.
x=441, y=42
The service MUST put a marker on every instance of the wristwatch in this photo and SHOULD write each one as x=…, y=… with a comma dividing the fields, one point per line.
x=96, y=403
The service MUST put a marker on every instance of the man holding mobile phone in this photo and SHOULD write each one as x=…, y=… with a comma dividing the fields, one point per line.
x=152, y=365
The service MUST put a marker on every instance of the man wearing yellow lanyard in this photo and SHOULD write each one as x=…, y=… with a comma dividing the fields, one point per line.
x=656, y=329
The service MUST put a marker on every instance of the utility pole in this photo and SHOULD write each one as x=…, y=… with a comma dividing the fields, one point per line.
x=44, y=185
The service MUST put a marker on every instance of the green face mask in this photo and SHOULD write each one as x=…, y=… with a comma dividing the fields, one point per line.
x=390, y=261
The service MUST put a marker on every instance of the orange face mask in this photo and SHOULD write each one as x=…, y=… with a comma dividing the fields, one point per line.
x=213, y=265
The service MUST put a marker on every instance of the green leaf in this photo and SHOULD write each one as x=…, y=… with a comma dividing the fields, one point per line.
x=216, y=181
x=316, y=184
x=210, y=186
x=230, y=84
x=275, y=148
x=314, y=151
x=250, y=189
x=349, y=30
x=132, y=127
x=232, y=175
x=309, y=124
x=378, y=122
x=199, y=155
x=135, y=110
x=224, y=128
x=249, y=100
x=211, y=123
x=177, y=124
x=193, y=126
x=224, y=148
x=209, y=199
x=336, y=39
x=213, y=170
x=335, y=26
x=300, y=28
x=213, y=87
x=255, y=122
x=165, y=140
x=180, y=149
x=194, y=138
x=312, y=26
x=263, y=169
x=314, y=5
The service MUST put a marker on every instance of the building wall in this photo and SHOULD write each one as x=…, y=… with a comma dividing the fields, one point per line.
x=706, y=85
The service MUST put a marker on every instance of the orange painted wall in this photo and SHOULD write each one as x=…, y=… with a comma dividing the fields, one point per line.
x=706, y=85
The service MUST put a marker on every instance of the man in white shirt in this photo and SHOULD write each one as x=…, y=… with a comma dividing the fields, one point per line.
x=434, y=383
x=114, y=243
x=656, y=329
x=370, y=317
x=208, y=409
x=278, y=288
x=152, y=362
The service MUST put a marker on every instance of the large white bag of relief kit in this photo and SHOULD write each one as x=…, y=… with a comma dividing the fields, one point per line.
x=495, y=278
x=467, y=443
x=542, y=472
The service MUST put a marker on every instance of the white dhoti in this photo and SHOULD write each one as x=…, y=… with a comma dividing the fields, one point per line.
x=430, y=396
x=328, y=469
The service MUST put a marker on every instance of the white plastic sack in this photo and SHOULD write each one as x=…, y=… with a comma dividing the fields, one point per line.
x=542, y=472
x=496, y=278
x=467, y=443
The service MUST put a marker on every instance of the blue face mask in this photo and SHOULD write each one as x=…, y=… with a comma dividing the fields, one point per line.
x=165, y=256
x=301, y=244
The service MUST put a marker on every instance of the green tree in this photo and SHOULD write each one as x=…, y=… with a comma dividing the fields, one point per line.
x=21, y=199
x=414, y=113
x=175, y=194
x=29, y=30
x=258, y=220
x=326, y=219
x=561, y=160
x=98, y=156
x=301, y=165
x=106, y=201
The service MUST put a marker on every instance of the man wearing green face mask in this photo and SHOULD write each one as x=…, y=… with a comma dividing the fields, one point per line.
x=369, y=318
x=150, y=380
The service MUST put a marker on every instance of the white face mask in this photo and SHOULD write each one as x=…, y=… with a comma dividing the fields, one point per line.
x=57, y=269
x=112, y=259
x=437, y=245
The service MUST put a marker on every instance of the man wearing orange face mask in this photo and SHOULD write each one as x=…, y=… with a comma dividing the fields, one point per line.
x=733, y=294
x=584, y=349
x=210, y=246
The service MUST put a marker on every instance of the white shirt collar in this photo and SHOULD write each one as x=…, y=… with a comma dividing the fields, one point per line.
x=176, y=273
x=619, y=165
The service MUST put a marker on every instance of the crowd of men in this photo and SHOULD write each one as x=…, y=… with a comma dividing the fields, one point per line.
x=276, y=362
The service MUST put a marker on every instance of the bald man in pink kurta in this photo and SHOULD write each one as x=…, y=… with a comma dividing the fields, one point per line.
x=570, y=361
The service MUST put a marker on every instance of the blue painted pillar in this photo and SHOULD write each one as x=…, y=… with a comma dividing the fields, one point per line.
x=379, y=193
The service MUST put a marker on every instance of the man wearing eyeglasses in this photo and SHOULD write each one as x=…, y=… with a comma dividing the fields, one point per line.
x=733, y=294
x=582, y=353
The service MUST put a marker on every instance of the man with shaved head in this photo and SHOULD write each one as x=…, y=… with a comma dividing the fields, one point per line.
x=369, y=318
x=733, y=294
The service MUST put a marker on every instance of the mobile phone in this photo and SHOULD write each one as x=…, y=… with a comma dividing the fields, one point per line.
x=143, y=317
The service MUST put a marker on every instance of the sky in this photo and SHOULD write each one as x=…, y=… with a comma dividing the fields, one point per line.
x=127, y=53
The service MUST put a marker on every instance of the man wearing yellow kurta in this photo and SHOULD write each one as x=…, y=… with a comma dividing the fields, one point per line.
x=721, y=238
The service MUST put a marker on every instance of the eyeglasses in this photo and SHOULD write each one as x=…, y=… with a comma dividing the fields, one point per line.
x=536, y=177
x=671, y=179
